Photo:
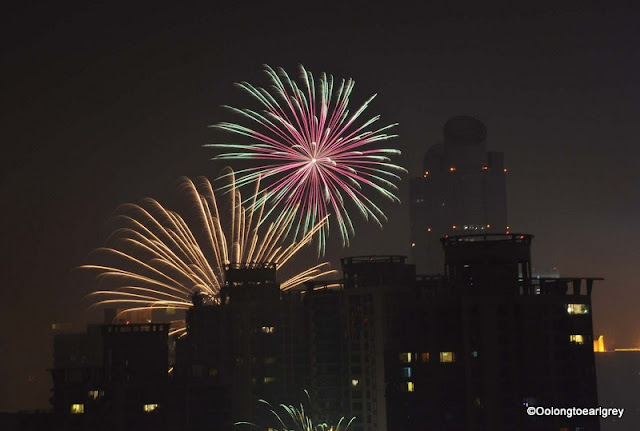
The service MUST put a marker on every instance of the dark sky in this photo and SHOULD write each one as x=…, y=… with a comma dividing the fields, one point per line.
x=108, y=103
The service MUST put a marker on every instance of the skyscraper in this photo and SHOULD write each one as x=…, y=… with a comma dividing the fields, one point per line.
x=468, y=350
x=471, y=349
x=231, y=355
x=462, y=190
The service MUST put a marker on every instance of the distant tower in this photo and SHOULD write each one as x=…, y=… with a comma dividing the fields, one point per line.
x=462, y=190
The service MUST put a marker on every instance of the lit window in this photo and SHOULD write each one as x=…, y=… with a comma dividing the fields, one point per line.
x=405, y=357
x=354, y=382
x=577, y=309
x=94, y=395
x=77, y=409
x=148, y=408
x=576, y=339
x=410, y=387
x=447, y=357
x=452, y=168
x=269, y=379
x=474, y=354
x=268, y=329
x=425, y=357
x=406, y=372
x=170, y=309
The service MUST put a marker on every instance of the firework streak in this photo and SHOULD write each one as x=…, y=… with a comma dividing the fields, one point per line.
x=315, y=155
x=160, y=261
x=301, y=421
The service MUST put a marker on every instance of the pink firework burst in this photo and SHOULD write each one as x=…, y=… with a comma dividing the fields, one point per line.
x=315, y=155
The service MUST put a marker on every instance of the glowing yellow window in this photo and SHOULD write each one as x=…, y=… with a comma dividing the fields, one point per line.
x=405, y=357
x=576, y=339
x=77, y=409
x=447, y=357
x=354, y=382
x=94, y=395
x=268, y=329
x=577, y=309
x=269, y=379
x=148, y=408
x=410, y=387
x=598, y=345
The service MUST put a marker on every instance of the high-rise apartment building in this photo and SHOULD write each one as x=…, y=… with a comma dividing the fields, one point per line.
x=232, y=355
x=113, y=375
x=469, y=350
x=462, y=190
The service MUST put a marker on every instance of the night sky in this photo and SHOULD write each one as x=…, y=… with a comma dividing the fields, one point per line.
x=110, y=103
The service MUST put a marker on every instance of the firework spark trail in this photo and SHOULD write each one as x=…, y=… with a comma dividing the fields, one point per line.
x=162, y=262
x=300, y=419
x=317, y=156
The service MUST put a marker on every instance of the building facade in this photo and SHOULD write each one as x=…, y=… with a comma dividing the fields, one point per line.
x=112, y=375
x=462, y=190
x=469, y=350
x=232, y=356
